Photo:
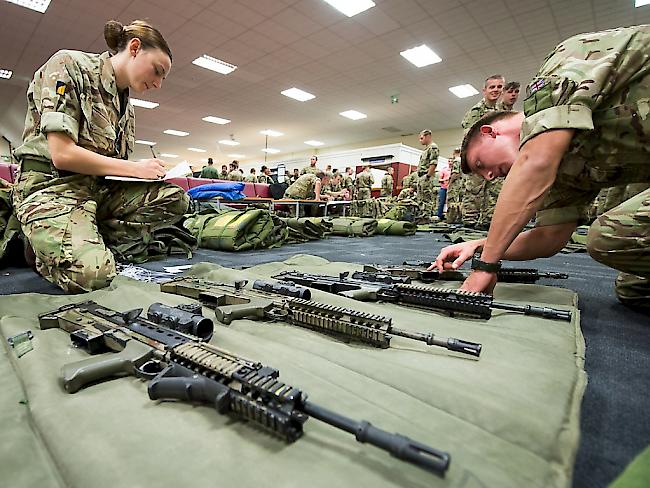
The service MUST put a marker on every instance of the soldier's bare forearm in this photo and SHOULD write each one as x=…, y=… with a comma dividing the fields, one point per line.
x=540, y=242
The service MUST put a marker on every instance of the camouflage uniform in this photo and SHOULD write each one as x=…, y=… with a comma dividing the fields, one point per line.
x=210, y=172
x=387, y=186
x=406, y=194
x=235, y=175
x=309, y=170
x=427, y=187
x=303, y=188
x=364, y=184
x=76, y=222
x=251, y=178
x=410, y=181
x=502, y=107
x=599, y=85
x=454, y=193
x=475, y=186
x=223, y=175
x=264, y=179
x=618, y=194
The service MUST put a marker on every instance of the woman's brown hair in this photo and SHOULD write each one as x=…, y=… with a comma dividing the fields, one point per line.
x=118, y=36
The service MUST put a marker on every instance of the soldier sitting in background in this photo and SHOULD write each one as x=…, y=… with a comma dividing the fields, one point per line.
x=265, y=176
x=224, y=172
x=235, y=174
x=251, y=178
x=333, y=188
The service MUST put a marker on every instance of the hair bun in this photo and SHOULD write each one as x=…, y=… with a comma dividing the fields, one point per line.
x=113, y=34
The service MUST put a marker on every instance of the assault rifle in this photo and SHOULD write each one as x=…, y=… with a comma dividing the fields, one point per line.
x=183, y=367
x=232, y=302
x=416, y=270
x=451, y=302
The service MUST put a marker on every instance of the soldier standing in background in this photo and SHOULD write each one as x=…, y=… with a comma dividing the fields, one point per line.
x=235, y=174
x=224, y=172
x=474, y=195
x=509, y=96
x=348, y=182
x=427, y=184
x=454, y=189
x=209, y=171
x=387, y=183
x=364, y=184
x=79, y=127
x=251, y=178
x=580, y=131
x=312, y=166
x=265, y=176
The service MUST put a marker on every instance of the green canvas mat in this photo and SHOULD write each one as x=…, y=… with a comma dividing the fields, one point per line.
x=509, y=419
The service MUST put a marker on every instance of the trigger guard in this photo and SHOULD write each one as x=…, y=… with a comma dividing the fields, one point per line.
x=150, y=369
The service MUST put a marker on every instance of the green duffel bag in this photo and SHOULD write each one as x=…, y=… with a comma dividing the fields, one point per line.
x=307, y=228
x=395, y=227
x=237, y=230
x=353, y=227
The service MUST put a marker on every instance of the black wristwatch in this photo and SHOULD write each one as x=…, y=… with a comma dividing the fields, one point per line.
x=479, y=265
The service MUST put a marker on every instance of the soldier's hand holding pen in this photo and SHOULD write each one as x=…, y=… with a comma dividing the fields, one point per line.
x=151, y=169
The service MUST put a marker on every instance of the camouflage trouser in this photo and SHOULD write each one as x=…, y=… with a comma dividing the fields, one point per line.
x=472, y=199
x=427, y=191
x=454, y=199
x=490, y=196
x=362, y=194
x=620, y=238
x=75, y=223
x=618, y=194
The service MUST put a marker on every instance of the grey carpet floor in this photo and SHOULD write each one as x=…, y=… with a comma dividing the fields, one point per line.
x=615, y=423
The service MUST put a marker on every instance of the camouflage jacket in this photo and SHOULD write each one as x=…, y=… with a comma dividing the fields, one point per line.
x=410, y=180
x=223, y=175
x=303, y=188
x=76, y=93
x=264, y=179
x=502, y=107
x=599, y=85
x=387, y=185
x=347, y=182
x=331, y=187
x=428, y=157
x=365, y=180
x=250, y=178
x=475, y=113
x=235, y=175
x=210, y=172
x=309, y=170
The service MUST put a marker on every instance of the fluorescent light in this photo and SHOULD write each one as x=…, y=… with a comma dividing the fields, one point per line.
x=196, y=149
x=6, y=73
x=146, y=143
x=271, y=132
x=641, y=3
x=463, y=91
x=421, y=56
x=167, y=155
x=143, y=103
x=314, y=143
x=228, y=142
x=38, y=5
x=270, y=150
x=298, y=94
x=173, y=132
x=353, y=114
x=236, y=155
x=216, y=120
x=214, y=64
x=351, y=7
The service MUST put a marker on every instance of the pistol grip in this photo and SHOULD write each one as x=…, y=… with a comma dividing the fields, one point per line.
x=228, y=313
x=77, y=375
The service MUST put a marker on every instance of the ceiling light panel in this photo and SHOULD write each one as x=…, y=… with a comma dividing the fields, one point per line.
x=38, y=5
x=146, y=143
x=641, y=3
x=421, y=56
x=196, y=149
x=351, y=7
x=463, y=91
x=353, y=114
x=314, y=143
x=136, y=102
x=236, y=155
x=271, y=132
x=167, y=155
x=298, y=94
x=228, y=142
x=216, y=120
x=173, y=132
x=270, y=150
x=214, y=64
x=6, y=73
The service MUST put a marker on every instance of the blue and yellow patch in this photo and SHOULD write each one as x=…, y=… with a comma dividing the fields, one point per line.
x=60, y=88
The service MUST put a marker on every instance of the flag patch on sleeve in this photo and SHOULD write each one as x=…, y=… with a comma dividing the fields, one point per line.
x=60, y=88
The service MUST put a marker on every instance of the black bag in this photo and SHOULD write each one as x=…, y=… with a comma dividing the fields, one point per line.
x=277, y=190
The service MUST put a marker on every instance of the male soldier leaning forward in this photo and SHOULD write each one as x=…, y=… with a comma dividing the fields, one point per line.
x=580, y=131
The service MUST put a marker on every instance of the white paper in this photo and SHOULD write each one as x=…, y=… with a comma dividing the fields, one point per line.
x=177, y=269
x=178, y=171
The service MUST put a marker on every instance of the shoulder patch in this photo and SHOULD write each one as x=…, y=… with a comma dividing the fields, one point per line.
x=60, y=88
